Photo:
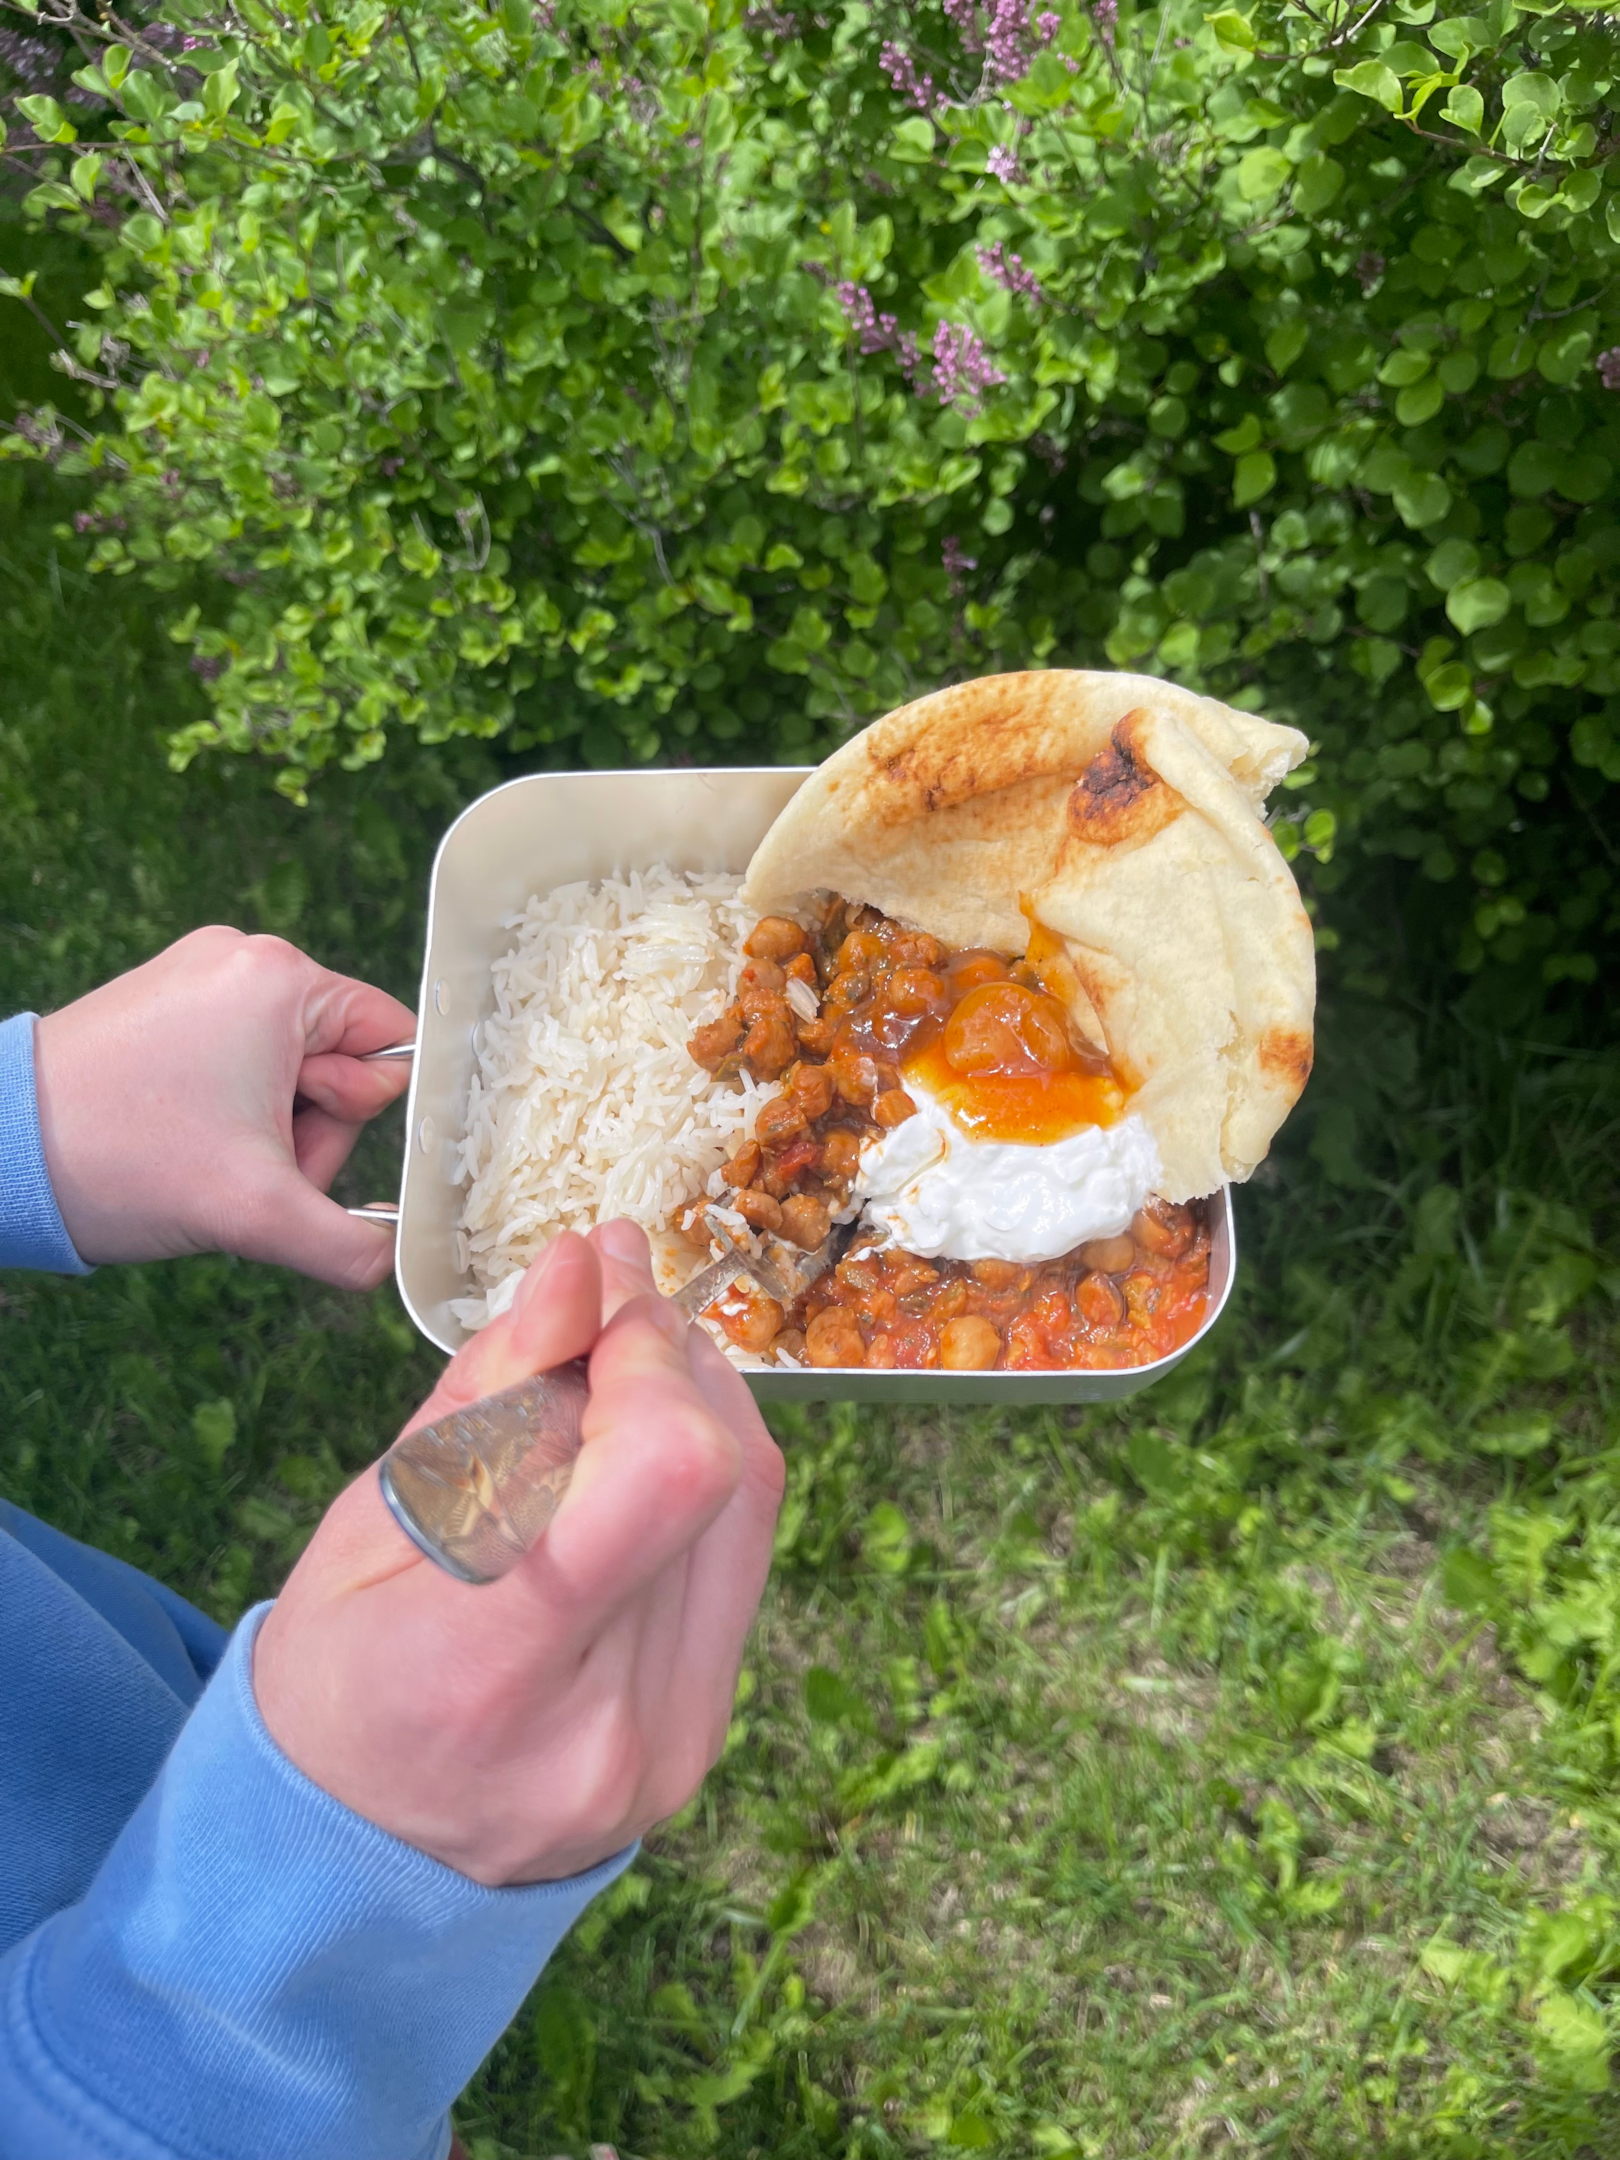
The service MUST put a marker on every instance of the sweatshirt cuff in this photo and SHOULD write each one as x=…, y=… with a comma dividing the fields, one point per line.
x=258, y=1969
x=32, y=1232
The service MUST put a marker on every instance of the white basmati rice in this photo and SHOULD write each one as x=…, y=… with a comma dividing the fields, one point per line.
x=586, y=1103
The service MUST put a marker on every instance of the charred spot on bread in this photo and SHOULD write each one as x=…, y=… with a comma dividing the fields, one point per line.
x=1285, y=1057
x=1119, y=800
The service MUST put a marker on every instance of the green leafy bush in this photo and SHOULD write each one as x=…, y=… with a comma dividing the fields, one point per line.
x=658, y=382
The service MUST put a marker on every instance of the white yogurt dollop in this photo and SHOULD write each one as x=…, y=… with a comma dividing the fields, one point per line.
x=945, y=1195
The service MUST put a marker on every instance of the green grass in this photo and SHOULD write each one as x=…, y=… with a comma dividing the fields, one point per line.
x=1229, y=1770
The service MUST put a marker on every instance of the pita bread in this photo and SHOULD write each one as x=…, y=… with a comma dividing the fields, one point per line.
x=1123, y=813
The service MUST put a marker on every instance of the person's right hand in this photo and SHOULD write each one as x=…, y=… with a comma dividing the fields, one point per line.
x=525, y=1729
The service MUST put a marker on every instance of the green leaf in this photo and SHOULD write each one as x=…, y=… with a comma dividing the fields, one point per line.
x=1421, y=402
x=1234, y=31
x=1477, y=603
x=1254, y=477
x=1421, y=498
x=830, y=1700
x=913, y=140
x=1371, y=79
x=1261, y=174
x=1317, y=181
x=1576, y=2039
x=220, y=90
x=1464, y=108
x=1285, y=344
x=1452, y=562
x=213, y=1427
x=1450, y=687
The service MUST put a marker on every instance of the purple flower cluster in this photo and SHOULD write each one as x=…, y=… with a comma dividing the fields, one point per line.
x=963, y=15
x=956, y=564
x=1105, y=14
x=1009, y=271
x=878, y=333
x=1608, y=367
x=1000, y=29
x=901, y=70
x=1002, y=164
x=963, y=369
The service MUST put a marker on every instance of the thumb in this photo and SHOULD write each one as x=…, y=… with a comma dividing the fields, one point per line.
x=289, y=1223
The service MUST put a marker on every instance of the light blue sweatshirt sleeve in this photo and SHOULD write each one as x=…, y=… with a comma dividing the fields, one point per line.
x=32, y=1233
x=257, y=1970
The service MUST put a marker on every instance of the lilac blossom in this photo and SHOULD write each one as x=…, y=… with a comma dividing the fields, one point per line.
x=901, y=70
x=1006, y=40
x=1047, y=26
x=964, y=15
x=956, y=564
x=962, y=367
x=1608, y=367
x=1002, y=164
x=1008, y=270
x=1105, y=14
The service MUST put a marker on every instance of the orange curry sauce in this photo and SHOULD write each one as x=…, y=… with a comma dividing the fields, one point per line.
x=878, y=1005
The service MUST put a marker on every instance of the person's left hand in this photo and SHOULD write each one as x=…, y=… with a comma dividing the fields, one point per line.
x=205, y=1102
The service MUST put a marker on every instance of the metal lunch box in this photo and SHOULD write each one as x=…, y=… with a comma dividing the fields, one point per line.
x=550, y=829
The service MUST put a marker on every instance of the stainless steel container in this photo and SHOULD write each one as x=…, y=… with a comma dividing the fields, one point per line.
x=548, y=830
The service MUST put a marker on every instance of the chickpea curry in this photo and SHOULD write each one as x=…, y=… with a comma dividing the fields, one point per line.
x=843, y=1015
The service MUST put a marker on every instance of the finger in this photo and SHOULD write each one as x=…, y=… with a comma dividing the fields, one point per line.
x=731, y=1560
x=555, y=1316
x=626, y=1264
x=287, y=1222
x=349, y=1017
x=656, y=1468
x=350, y=1090
x=321, y=1145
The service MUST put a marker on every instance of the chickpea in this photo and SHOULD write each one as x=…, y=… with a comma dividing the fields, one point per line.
x=968, y=970
x=806, y=1221
x=834, y=1338
x=711, y=1045
x=773, y=937
x=893, y=1107
x=915, y=948
x=846, y=990
x=1099, y=1302
x=801, y=968
x=853, y=1074
x=812, y=1089
x=753, y=1322
x=743, y=1167
x=999, y=1275
x=858, y=951
x=880, y=1353
x=1142, y=1293
x=905, y=1271
x=781, y=1118
x=759, y=982
x=815, y=1036
x=841, y=1153
x=1162, y=1227
x=770, y=1045
x=968, y=1344
x=912, y=990
x=759, y=1210
x=790, y=1343
x=1109, y=1255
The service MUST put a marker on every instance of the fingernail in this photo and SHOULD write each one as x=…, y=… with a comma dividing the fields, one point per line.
x=622, y=1240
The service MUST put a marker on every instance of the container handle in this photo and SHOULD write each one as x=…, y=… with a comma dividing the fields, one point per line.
x=385, y=1213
